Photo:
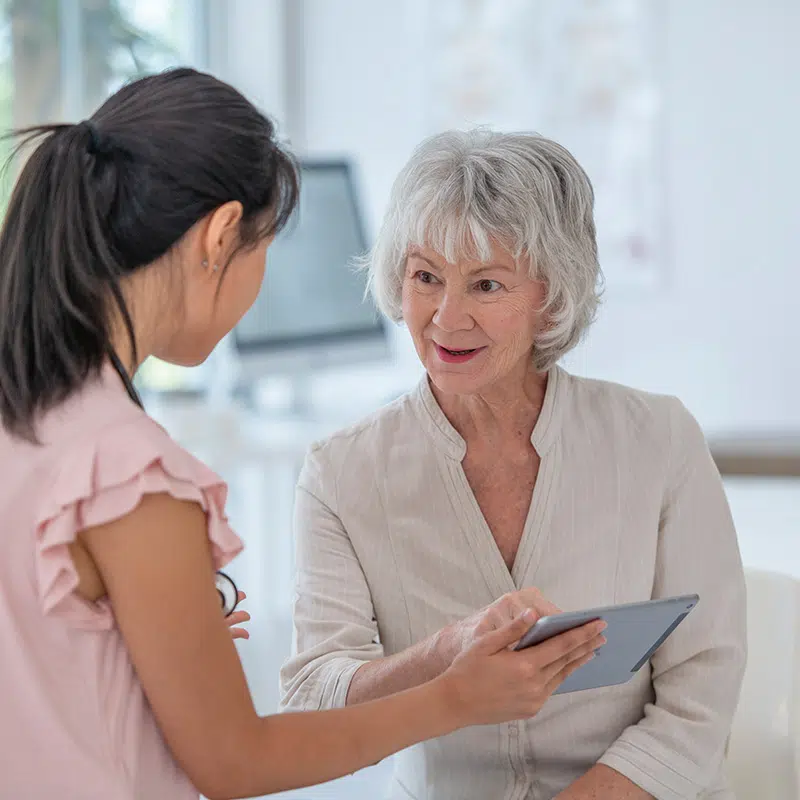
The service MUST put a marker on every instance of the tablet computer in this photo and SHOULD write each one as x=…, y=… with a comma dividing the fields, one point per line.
x=635, y=631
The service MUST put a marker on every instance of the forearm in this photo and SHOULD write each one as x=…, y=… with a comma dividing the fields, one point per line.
x=293, y=750
x=603, y=783
x=412, y=667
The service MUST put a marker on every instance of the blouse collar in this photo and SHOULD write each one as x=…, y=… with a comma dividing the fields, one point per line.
x=450, y=441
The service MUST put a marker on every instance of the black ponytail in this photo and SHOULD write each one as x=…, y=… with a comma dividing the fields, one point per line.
x=98, y=200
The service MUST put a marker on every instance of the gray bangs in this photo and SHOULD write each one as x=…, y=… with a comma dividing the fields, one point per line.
x=457, y=222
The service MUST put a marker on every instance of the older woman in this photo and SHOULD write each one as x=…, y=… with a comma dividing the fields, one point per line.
x=433, y=519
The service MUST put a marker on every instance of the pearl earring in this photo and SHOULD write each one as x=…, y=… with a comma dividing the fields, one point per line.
x=204, y=264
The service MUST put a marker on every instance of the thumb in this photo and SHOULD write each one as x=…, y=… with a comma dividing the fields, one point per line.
x=510, y=633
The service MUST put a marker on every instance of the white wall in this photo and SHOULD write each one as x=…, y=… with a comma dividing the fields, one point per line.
x=722, y=333
x=363, y=80
x=247, y=47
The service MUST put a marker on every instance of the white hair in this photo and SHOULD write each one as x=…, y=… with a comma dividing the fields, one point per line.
x=461, y=190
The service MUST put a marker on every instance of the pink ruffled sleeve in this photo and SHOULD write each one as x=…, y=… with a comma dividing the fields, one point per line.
x=104, y=480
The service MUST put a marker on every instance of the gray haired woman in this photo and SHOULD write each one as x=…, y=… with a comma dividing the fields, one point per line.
x=503, y=482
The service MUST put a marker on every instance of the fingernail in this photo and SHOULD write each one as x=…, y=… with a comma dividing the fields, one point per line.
x=529, y=615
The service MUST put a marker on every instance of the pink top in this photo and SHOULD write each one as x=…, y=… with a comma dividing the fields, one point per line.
x=74, y=721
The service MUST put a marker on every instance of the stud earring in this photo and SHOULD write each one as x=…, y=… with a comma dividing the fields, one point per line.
x=204, y=263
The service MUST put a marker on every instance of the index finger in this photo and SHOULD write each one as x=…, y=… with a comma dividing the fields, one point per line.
x=532, y=597
x=508, y=634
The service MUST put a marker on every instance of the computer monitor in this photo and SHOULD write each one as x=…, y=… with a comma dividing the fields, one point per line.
x=311, y=312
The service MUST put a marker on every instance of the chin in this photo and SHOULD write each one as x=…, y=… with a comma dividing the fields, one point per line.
x=185, y=359
x=198, y=360
x=454, y=383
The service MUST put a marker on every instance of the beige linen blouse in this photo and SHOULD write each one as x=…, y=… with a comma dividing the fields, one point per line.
x=628, y=505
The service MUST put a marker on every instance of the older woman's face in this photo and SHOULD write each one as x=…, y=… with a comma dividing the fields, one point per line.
x=473, y=324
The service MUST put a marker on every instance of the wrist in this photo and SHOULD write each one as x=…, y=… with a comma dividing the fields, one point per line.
x=442, y=649
x=447, y=698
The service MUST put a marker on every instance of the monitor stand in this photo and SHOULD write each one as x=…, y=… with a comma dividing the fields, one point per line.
x=283, y=396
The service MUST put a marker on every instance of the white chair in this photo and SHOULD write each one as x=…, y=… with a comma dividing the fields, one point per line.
x=764, y=752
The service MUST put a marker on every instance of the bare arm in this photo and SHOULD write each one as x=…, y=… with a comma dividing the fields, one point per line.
x=432, y=656
x=158, y=557
x=419, y=663
x=603, y=783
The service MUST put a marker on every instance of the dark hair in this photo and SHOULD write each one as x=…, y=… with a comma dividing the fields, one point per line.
x=98, y=200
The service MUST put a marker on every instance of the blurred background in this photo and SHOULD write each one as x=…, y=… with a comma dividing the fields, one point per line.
x=686, y=114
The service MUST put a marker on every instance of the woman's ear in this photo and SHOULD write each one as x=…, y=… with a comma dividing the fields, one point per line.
x=221, y=233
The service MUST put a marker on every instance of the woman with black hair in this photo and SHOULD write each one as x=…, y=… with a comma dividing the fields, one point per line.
x=143, y=231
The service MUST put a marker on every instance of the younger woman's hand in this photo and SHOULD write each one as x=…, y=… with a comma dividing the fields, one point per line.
x=237, y=618
x=490, y=684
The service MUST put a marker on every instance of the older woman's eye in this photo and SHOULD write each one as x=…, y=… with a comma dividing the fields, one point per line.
x=487, y=286
x=425, y=277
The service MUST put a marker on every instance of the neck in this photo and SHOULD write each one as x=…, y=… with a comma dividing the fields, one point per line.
x=144, y=331
x=508, y=409
x=149, y=311
x=120, y=342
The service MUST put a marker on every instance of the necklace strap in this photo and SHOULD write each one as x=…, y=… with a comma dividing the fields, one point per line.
x=125, y=378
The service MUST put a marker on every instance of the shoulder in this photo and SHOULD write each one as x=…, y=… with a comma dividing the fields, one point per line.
x=637, y=429
x=355, y=448
x=121, y=468
x=618, y=406
x=633, y=423
x=99, y=446
x=101, y=429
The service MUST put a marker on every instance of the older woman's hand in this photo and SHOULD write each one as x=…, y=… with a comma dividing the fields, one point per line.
x=460, y=636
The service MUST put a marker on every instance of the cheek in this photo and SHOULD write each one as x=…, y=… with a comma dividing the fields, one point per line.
x=413, y=308
x=513, y=321
x=241, y=288
x=255, y=282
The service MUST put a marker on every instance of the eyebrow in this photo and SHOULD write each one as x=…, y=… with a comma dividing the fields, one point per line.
x=490, y=267
x=484, y=268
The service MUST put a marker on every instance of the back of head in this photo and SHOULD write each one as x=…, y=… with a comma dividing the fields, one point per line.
x=101, y=199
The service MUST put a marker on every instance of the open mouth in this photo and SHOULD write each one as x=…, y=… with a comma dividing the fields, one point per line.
x=456, y=356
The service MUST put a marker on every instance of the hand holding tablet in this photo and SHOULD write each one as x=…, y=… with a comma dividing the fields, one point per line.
x=634, y=632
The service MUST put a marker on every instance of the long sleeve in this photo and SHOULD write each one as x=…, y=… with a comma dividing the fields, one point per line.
x=335, y=629
x=676, y=750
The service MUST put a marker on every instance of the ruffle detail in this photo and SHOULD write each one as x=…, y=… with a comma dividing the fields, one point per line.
x=105, y=480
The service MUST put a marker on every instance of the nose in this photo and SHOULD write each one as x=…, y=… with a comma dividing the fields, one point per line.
x=452, y=313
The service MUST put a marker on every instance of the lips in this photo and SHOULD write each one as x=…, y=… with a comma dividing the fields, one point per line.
x=457, y=350
x=453, y=356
